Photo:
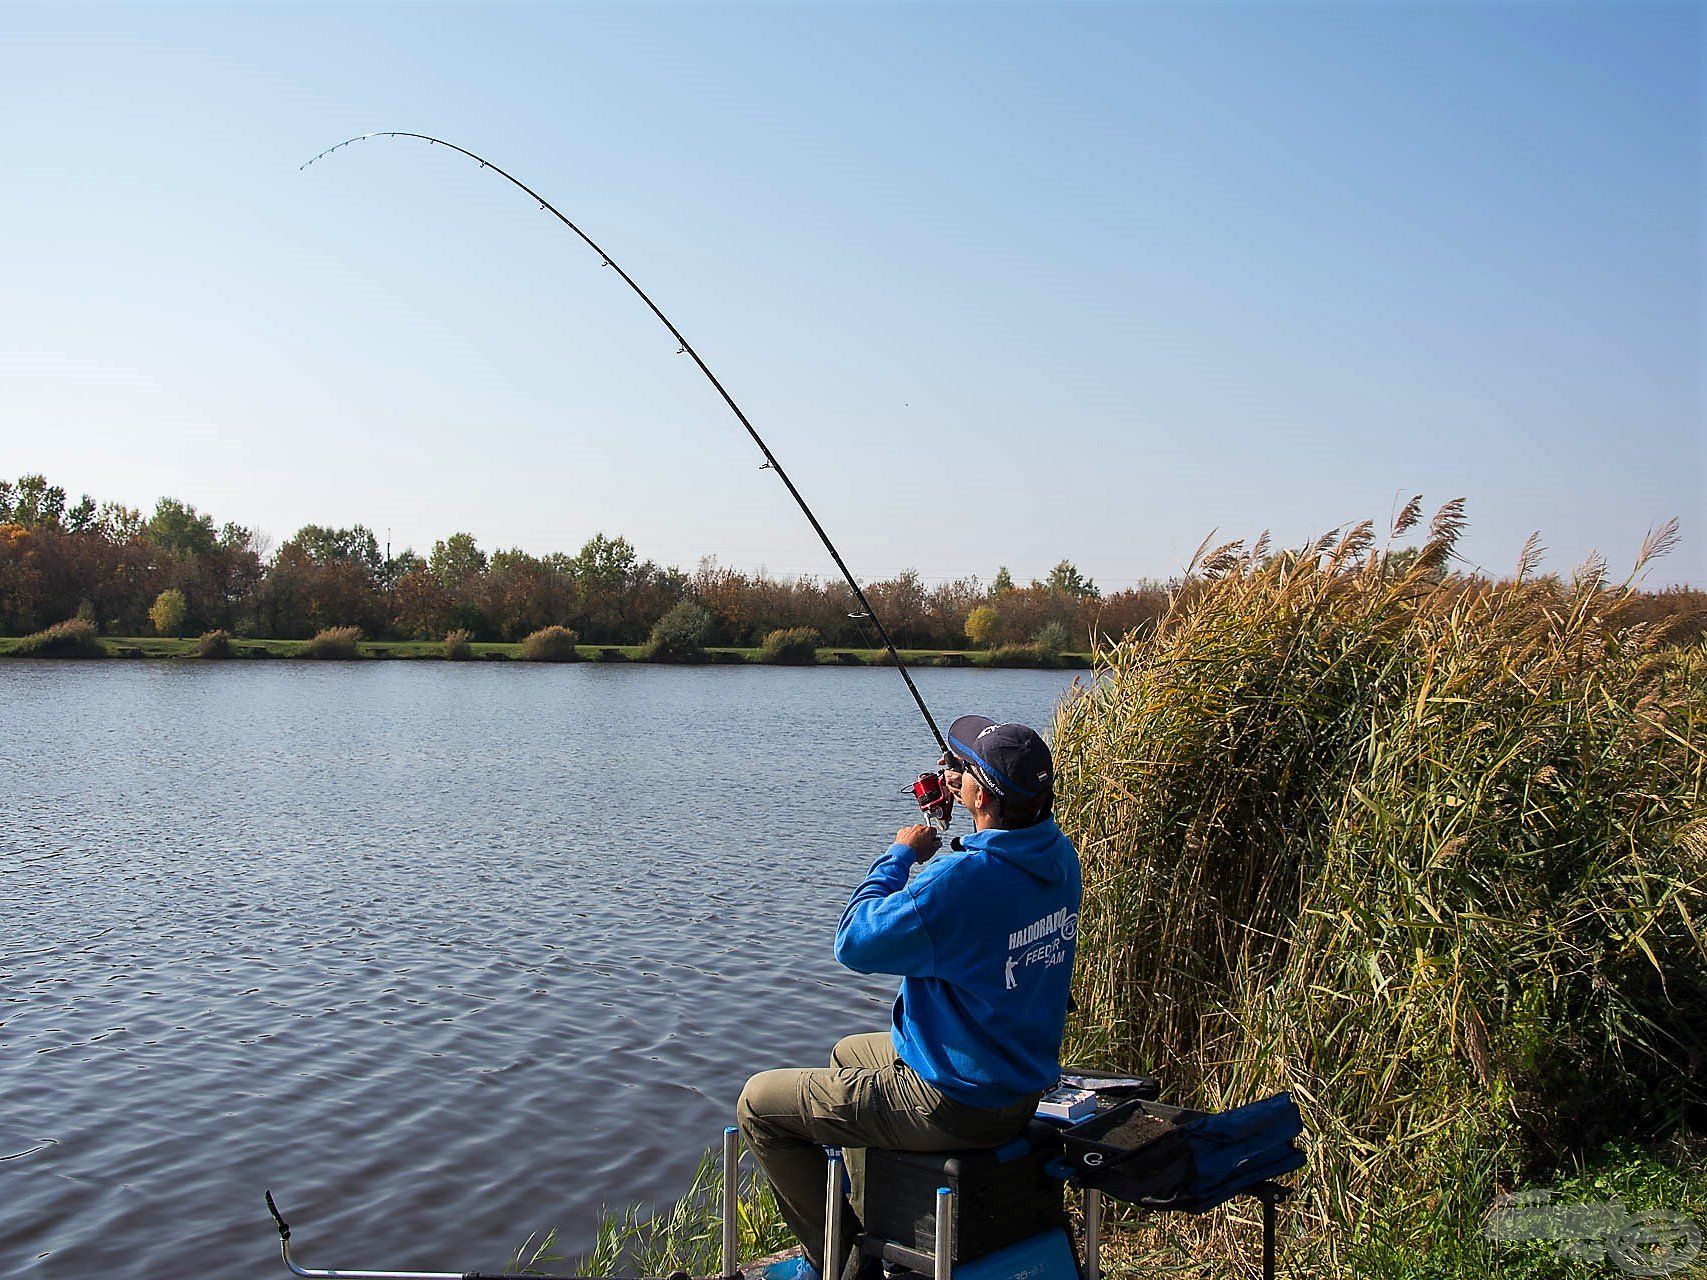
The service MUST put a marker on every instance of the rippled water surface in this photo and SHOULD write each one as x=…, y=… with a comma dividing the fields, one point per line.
x=443, y=955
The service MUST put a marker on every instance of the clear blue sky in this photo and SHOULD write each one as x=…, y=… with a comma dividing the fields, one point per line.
x=1000, y=283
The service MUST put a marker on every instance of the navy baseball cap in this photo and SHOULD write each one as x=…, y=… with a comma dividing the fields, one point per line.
x=1009, y=759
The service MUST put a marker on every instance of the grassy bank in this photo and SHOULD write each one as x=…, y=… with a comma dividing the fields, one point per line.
x=1667, y=1176
x=434, y=650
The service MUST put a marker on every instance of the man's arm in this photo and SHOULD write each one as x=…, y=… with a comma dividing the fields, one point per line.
x=881, y=930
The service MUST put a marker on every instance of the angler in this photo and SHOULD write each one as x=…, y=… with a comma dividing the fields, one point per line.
x=976, y=1032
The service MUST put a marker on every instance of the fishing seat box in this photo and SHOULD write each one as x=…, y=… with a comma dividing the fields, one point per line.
x=1002, y=1195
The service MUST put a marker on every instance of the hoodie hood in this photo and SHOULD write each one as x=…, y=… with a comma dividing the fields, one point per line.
x=1040, y=849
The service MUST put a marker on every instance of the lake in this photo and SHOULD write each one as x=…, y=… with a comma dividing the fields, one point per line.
x=443, y=954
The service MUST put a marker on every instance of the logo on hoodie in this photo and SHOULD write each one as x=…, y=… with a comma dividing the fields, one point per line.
x=1042, y=942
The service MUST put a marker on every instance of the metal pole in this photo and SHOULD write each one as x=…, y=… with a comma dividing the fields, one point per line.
x=330, y=1273
x=731, y=1196
x=944, y=1234
x=1268, y=1236
x=339, y=1273
x=1093, y=1234
x=832, y=1216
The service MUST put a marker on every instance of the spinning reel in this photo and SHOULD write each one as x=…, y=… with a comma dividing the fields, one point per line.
x=935, y=799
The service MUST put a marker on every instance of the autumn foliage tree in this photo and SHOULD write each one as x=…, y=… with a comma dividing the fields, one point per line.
x=167, y=612
x=981, y=625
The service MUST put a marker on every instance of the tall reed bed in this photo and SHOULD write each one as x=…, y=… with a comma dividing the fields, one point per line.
x=1430, y=854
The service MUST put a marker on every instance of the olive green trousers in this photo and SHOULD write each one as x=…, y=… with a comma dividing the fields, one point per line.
x=866, y=1097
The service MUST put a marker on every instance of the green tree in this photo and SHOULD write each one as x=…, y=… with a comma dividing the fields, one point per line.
x=1004, y=581
x=457, y=561
x=119, y=524
x=236, y=537
x=167, y=612
x=1066, y=579
x=327, y=546
x=399, y=567
x=981, y=625
x=33, y=503
x=180, y=529
x=608, y=577
x=84, y=517
x=605, y=564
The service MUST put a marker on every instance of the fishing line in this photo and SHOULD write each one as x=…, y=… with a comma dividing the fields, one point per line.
x=686, y=348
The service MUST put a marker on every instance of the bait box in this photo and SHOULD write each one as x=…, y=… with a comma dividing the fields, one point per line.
x=1134, y=1151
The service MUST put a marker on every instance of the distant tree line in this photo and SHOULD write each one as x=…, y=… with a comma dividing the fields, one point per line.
x=112, y=565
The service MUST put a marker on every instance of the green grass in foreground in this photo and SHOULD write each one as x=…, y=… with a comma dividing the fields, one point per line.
x=434, y=650
x=1669, y=1178
x=687, y=1234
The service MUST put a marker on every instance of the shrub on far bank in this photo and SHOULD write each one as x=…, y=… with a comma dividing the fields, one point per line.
x=792, y=646
x=550, y=644
x=213, y=644
x=457, y=646
x=73, y=638
x=167, y=612
x=333, y=642
x=1051, y=639
x=1022, y=655
x=680, y=635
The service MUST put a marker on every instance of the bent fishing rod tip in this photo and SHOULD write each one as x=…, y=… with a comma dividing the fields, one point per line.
x=360, y=137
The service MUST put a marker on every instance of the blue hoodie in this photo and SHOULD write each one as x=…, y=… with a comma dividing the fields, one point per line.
x=984, y=942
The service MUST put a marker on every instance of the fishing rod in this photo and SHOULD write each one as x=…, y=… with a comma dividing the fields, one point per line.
x=925, y=797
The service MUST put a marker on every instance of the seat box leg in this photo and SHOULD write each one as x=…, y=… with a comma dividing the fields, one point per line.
x=944, y=1233
x=1093, y=1234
